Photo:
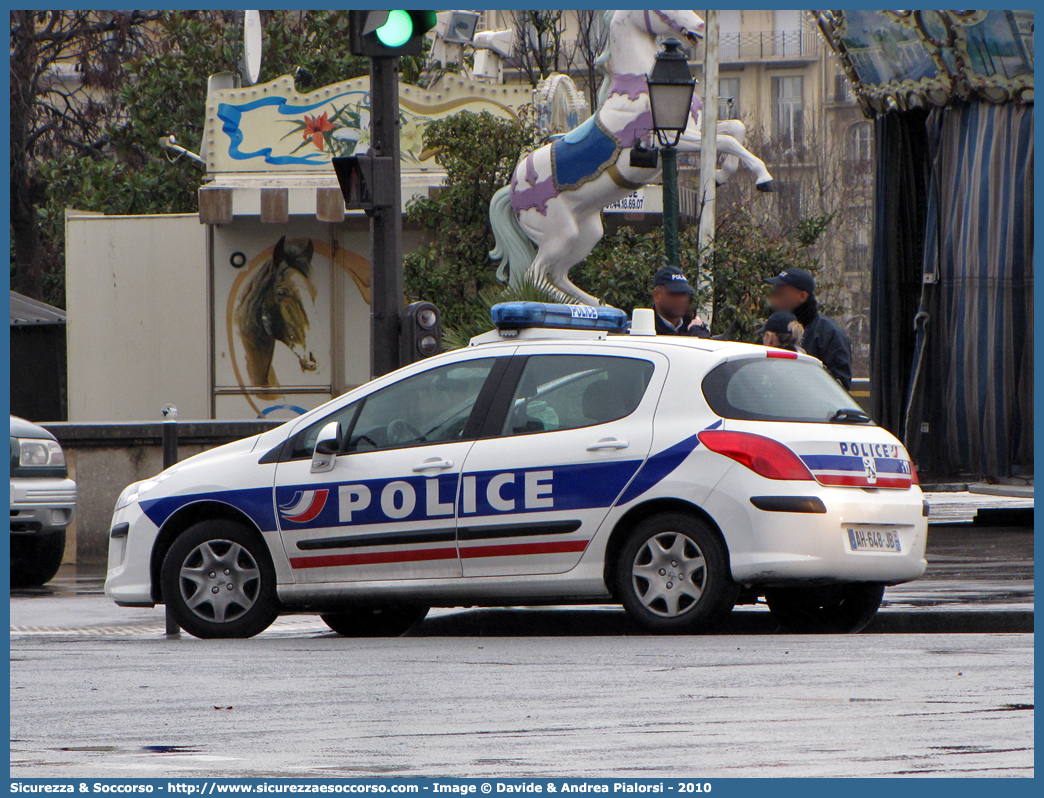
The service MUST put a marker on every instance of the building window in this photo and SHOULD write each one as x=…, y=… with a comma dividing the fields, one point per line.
x=788, y=198
x=728, y=98
x=787, y=24
x=857, y=249
x=788, y=114
x=729, y=36
x=842, y=89
x=861, y=142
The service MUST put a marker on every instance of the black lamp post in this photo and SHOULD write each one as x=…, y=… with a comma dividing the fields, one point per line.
x=670, y=95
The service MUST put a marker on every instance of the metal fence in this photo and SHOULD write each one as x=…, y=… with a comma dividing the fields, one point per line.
x=765, y=45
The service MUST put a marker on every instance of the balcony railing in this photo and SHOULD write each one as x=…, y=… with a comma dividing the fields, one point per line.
x=793, y=45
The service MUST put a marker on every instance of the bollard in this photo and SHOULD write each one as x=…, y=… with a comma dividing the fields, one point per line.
x=170, y=457
x=170, y=436
x=173, y=630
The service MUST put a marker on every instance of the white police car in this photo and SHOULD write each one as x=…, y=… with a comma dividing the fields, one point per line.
x=677, y=476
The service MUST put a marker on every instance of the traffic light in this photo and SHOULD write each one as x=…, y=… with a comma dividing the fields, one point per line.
x=366, y=181
x=388, y=33
x=420, y=334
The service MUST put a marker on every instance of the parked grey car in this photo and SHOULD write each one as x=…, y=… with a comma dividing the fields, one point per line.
x=43, y=500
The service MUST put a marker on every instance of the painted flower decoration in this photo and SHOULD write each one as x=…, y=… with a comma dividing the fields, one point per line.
x=412, y=137
x=314, y=129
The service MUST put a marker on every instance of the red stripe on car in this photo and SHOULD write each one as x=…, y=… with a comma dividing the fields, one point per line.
x=515, y=549
x=373, y=558
x=862, y=482
x=421, y=555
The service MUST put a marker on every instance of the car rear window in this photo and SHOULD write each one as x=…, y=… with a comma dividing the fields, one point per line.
x=775, y=389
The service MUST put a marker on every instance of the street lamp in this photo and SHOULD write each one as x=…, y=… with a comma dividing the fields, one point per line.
x=670, y=95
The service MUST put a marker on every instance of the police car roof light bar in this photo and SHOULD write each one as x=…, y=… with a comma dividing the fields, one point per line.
x=528, y=315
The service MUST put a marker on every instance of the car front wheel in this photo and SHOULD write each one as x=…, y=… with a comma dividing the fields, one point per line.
x=672, y=575
x=389, y=620
x=836, y=609
x=218, y=581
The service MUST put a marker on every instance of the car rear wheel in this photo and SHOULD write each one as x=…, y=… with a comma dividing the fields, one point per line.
x=836, y=609
x=35, y=559
x=389, y=620
x=672, y=575
x=218, y=581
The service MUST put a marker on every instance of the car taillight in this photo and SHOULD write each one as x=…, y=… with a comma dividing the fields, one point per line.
x=764, y=456
x=783, y=353
x=914, y=479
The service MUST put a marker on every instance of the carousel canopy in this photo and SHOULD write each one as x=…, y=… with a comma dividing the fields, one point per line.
x=899, y=60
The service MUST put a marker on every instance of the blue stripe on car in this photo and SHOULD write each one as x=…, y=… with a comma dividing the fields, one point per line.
x=660, y=465
x=255, y=503
x=576, y=486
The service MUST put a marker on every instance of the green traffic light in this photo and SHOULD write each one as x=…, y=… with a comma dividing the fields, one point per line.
x=396, y=31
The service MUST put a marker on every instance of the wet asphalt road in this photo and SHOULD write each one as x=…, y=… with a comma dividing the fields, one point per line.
x=942, y=683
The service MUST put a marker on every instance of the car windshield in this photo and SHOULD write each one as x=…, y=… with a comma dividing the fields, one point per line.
x=779, y=389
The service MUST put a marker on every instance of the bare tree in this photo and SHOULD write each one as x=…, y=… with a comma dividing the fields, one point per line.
x=66, y=69
x=583, y=53
x=538, y=42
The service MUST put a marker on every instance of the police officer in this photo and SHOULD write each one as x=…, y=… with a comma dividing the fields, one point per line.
x=672, y=296
x=782, y=330
x=794, y=291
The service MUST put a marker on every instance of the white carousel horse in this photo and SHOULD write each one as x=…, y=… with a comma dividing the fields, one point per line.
x=557, y=193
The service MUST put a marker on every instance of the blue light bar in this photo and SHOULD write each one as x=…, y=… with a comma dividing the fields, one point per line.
x=529, y=315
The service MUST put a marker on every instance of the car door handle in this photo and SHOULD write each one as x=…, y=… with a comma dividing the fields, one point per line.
x=607, y=443
x=433, y=463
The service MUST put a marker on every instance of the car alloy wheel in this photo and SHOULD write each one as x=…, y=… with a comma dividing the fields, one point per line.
x=218, y=581
x=672, y=575
x=669, y=574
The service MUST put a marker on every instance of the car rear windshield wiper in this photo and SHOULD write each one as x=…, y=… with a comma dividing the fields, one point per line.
x=847, y=415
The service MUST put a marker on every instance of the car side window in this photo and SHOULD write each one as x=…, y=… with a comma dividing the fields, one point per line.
x=304, y=443
x=431, y=407
x=559, y=392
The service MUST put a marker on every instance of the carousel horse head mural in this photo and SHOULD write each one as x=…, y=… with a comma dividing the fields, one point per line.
x=273, y=309
x=549, y=218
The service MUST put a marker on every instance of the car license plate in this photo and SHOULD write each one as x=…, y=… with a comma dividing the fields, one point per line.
x=886, y=540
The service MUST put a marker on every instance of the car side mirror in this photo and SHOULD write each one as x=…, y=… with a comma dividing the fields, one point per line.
x=327, y=447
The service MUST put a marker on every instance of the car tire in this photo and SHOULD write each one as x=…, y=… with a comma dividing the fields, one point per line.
x=390, y=620
x=835, y=609
x=672, y=575
x=36, y=558
x=218, y=581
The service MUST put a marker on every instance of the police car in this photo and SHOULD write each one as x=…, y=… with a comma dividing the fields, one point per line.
x=567, y=456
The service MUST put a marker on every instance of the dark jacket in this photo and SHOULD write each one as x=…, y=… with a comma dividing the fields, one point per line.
x=825, y=340
x=664, y=328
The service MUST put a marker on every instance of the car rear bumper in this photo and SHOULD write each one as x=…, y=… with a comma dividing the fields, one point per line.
x=778, y=547
x=41, y=505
